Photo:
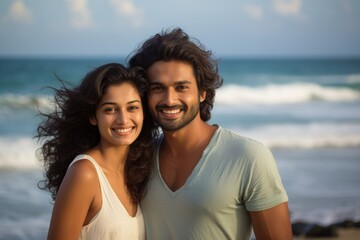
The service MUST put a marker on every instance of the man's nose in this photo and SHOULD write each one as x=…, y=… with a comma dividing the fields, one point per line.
x=171, y=97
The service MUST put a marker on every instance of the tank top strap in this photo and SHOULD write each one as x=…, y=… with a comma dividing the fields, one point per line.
x=102, y=178
x=109, y=197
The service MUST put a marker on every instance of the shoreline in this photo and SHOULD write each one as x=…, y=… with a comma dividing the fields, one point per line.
x=344, y=230
x=342, y=234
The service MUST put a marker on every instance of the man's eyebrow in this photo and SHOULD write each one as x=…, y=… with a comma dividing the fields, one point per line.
x=155, y=83
x=180, y=82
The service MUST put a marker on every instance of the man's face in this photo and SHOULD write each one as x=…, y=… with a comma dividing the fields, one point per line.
x=173, y=96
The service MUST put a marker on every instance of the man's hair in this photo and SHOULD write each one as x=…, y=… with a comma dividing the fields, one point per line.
x=177, y=45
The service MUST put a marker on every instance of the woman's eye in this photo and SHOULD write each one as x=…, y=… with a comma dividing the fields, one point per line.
x=133, y=108
x=110, y=109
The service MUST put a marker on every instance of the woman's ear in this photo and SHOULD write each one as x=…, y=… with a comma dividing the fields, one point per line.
x=202, y=96
x=93, y=121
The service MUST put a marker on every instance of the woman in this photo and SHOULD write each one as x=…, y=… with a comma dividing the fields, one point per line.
x=97, y=155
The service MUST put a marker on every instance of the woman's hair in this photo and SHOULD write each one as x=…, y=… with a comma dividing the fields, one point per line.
x=67, y=131
x=176, y=45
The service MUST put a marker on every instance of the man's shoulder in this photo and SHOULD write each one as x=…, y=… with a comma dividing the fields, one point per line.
x=231, y=135
x=233, y=140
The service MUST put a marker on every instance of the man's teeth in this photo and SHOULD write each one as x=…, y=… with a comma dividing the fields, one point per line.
x=122, y=130
x=171, y=111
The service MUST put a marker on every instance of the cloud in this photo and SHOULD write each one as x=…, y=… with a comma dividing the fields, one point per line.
x=254, y=11
x=80, y=14
x=287, y=7
x=18, y=12
x=127, y=9
x=346, y=5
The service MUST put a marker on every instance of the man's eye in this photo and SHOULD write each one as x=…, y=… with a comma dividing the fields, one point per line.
x=156, y=88
x=181, y=87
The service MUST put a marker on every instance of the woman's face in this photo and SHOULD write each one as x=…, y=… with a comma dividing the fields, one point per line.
x=119, y=115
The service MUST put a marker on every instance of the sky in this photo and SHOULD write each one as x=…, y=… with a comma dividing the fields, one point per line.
x=235, y=28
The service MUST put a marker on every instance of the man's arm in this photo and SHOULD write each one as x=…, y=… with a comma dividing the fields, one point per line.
x=272, y=223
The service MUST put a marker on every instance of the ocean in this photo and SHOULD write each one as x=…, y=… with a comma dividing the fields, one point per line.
x=306, y=111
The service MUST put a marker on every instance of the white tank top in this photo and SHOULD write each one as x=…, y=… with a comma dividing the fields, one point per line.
x=112, y=221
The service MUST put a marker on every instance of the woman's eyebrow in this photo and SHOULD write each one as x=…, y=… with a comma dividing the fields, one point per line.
x=113, y=103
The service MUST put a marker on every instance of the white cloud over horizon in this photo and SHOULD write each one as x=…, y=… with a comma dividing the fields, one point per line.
x=235, y=28
x=82, y=18
x=346, y=5
x=80, y=14
x=19, y=13
x=127, y=9
x=254, y=11
x=287, y=7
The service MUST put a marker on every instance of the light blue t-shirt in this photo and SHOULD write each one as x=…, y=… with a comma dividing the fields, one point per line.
x=234, y=175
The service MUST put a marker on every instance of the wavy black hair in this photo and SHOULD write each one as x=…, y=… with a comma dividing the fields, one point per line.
x=67, y=131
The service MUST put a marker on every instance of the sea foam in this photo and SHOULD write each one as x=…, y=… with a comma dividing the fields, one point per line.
x=312, y=135
x=18, y=152
x=26, y=101
x=283, y=94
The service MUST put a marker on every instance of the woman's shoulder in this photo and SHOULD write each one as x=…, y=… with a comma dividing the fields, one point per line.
x=82, y=170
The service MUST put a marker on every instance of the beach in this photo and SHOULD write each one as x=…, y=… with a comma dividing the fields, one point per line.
x=306, y=111
x=342, y=234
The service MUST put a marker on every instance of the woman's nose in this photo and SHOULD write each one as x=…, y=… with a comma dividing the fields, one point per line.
x=122, y=117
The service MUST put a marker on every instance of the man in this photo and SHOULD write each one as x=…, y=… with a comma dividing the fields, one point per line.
x=208, y=183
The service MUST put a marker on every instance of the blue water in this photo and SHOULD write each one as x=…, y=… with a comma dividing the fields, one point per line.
x=306, y=111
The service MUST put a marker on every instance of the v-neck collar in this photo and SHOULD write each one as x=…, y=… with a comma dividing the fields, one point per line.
x=194, y=172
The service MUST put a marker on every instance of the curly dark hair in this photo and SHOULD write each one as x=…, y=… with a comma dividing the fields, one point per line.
x=177, y=45
x=67, y=132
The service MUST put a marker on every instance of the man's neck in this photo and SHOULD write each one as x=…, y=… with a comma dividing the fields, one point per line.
x=189, y=137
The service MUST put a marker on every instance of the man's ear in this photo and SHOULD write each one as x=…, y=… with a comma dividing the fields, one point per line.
x=202, y=96
x=93, y=121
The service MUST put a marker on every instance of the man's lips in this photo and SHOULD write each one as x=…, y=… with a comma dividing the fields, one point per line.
x=174, y=111
x=170, y=112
